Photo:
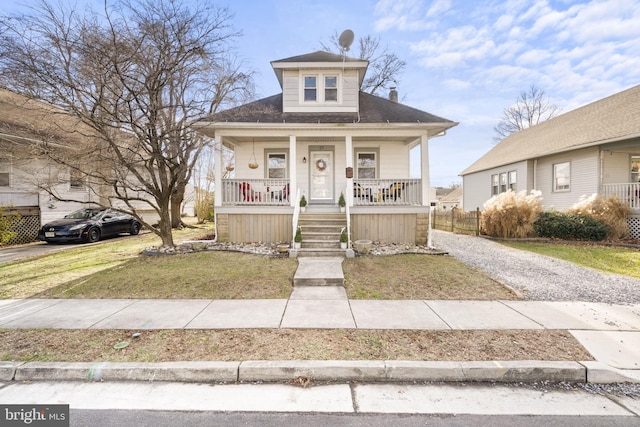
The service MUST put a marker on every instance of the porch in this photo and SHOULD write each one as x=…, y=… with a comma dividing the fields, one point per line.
x=628, y=193
x=366, y=192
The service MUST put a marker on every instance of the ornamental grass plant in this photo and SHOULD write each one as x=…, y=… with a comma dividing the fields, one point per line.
x=609, y=210
x=511, y=214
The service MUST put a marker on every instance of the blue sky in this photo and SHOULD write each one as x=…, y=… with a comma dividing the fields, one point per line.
x=467, y=60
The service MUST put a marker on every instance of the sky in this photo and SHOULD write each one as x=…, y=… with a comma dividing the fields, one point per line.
x=467, y=60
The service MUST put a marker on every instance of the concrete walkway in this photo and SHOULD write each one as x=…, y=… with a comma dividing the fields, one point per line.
x=610, y=333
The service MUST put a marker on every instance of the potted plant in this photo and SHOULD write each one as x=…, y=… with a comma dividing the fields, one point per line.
x=344, y=239
x=297, y=240
x=303, y=203
x=341, y=202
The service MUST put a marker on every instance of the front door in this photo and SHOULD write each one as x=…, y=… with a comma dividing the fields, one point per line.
x=321, y=183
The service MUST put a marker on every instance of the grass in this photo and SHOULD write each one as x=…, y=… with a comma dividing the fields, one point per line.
x=618, y=260
x=287, y=344
x=413, y=276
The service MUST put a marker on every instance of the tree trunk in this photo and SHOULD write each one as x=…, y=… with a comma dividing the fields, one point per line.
x=166, y=232
x=176, y=202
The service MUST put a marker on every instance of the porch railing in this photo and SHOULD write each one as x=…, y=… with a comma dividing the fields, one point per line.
x=628, y=193
x=377, y=192
x=268, y=192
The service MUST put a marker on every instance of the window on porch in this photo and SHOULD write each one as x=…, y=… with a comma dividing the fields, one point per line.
x=366, y=164
x=276, y=165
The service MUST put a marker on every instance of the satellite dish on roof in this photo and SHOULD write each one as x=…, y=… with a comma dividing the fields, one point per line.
x=345, y=40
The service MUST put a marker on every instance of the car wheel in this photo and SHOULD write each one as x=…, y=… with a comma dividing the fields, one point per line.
x=135, y=228
x=93, y=235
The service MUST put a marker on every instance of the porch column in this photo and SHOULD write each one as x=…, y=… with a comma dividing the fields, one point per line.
x=217, y=170
x=293, y=170
x=349, y=163
x=424, y=169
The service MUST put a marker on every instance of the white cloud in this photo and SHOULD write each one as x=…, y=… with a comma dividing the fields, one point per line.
x=438, y=7
x=457, y=84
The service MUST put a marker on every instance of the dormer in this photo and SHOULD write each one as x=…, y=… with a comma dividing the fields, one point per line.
x=320, y=82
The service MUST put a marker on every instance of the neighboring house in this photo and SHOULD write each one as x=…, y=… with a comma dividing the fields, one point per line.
x=451, y=200
x=593, y=149
x=319, y=138
x=24, y=124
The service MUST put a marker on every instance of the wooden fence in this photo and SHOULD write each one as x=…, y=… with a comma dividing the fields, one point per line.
x=456, y=221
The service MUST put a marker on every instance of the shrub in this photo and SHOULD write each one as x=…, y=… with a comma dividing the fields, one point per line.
x=560, y=225
x=609, y=210
x=511, y=214
x=7, y=223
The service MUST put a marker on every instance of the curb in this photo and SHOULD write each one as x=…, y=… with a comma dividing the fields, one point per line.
x=320, y=370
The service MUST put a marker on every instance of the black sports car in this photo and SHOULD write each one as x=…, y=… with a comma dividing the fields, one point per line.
x=89, y=225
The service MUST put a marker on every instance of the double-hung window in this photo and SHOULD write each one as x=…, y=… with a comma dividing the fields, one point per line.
x=366, y=165
x=495, y=188
x=310, y=88
x=562, y=176
x=330, y=88
x=503, y=182
x=277, y=165
x=512, y=180
x=5, y=173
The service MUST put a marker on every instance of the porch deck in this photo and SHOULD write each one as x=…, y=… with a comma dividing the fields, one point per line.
x=628, y=193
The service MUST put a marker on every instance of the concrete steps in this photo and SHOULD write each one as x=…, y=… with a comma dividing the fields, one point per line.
x=321, y=234
x=325, y=270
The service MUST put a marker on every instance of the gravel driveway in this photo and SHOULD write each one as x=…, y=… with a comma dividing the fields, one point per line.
x=539, y=277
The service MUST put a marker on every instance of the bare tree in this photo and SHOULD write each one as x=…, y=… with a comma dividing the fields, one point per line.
x=531, y=108
x=135, y=75
x=385, y=67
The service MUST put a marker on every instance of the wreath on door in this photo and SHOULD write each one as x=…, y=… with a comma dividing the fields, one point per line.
x=321, y=165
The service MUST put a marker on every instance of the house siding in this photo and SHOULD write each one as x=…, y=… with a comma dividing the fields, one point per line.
x=254, y=227
x=292, y=85
x=616, y=167
x=584, y=177
x=476, y=187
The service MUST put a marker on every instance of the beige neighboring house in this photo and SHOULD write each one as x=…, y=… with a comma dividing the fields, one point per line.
x=322, y=137
x=594, y=149
x=24, y=124
x=451, y=200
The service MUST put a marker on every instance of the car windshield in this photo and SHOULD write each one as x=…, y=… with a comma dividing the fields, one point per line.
x=85, y=214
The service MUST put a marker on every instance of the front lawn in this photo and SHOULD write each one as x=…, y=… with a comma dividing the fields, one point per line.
x=618, y=260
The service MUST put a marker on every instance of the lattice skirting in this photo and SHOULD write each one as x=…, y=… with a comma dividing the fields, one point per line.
x=634, y=227
x=27, y=228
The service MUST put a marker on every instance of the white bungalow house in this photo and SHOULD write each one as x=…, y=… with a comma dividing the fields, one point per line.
x=594, y=149
x=320, y=138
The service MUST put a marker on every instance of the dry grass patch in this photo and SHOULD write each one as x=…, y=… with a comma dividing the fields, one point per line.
x=288, y=344
x=412, y=276
x=208, y=275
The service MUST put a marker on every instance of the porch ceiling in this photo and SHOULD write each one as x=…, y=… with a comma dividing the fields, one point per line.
x=229, y=141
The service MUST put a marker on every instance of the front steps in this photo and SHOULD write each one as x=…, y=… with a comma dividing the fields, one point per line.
x=322, y=271
x=321, y=234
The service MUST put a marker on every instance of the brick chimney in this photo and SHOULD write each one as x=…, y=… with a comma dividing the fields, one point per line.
x=393, y=94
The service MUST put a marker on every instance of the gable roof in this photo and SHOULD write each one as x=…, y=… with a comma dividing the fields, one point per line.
x=373, y=109
x=320, y=56
x=611, y=119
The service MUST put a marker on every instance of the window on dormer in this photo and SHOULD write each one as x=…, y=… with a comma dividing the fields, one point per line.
x=330, y=88
x=310, y=88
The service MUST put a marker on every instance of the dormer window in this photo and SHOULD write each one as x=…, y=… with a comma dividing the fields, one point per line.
x=321, y=88
x=330, y=88
x=310, y=88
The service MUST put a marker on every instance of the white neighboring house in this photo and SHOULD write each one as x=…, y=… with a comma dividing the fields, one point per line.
x=594, y=149
x=319, y=138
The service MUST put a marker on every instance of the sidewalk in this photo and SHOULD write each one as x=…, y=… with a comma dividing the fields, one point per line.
x=610, y=333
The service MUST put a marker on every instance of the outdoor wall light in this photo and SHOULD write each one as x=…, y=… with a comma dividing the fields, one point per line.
x=304, y=160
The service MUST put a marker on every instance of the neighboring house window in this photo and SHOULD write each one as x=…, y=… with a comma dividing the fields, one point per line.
x=276, y=165
x=330, y=88
x=366, y=165
x=76, y=181
x=562, y=176
x=503, y=182
x=635, y=168
x=310, y=88
x=512, y=180
x=495, y=188
x=5, y=174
